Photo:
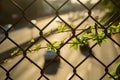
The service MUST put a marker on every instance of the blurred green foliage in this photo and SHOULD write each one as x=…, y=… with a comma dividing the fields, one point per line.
x=116, y=72
x=113, y=13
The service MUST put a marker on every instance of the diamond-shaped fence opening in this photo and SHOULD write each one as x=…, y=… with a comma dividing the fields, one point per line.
x=20, y=69
x=35, y=7
x=9, y=13
x=38, y=38
x=86, y=67
x=3, y=72
x=75, y=13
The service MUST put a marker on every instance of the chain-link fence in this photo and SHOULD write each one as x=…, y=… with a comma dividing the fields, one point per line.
x=46, y=54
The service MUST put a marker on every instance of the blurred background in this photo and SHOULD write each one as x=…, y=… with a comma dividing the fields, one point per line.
x=22, y=20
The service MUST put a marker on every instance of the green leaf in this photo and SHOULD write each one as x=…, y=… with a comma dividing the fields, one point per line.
x=99, y=37
x=15, y=52
x=83, y=41
x=74, y=43
x=116, y=72
x=52, y=49
x=32, y=41
x=118, y=28
x=61, y=28
x=29, y=51
x=53, y=46
x=117, y=68
x=37, y=47
x=63, y=41
x=113, y=74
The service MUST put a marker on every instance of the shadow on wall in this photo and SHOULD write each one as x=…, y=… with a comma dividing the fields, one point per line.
x=52, y=68
x=52, y=62
x=85, y=50
x=33, y=9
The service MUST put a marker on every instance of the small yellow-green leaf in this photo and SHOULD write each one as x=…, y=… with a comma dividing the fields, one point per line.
x=32, y=41
x=61, y=28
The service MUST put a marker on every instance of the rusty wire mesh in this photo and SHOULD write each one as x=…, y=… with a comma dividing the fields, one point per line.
x=42, y=36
